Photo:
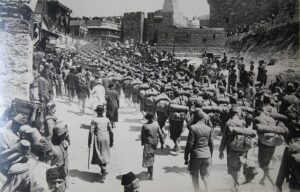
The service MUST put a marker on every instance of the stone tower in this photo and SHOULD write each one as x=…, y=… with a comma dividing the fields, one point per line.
x=171, y=6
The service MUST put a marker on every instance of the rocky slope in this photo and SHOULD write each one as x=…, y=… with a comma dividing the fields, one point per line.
x=280, y=43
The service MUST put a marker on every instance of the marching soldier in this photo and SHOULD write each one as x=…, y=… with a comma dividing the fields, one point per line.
x=233, y=156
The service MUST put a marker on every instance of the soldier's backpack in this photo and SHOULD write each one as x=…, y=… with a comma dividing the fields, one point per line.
x=162, y=106
x=178, y=116
x=135, y=86
x=178, y=108
x=271, y=139
x=271, y=135
x=127, y=84
x=82, y=80
x=243, y=140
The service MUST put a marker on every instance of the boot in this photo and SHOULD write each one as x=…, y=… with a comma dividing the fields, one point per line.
x=150, y=172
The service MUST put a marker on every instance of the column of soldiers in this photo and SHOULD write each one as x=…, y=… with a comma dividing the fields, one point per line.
x=247, y=115
x=166, y=90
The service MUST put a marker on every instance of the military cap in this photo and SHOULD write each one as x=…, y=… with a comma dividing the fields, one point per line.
x=55, y=173
x=128, y=178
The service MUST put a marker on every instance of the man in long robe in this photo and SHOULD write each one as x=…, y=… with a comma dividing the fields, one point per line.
x=113, y=104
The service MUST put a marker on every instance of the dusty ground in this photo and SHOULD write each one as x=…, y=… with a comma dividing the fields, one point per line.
x=170, y=173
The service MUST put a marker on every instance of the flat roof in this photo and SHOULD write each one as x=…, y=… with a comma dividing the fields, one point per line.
x=102, y=27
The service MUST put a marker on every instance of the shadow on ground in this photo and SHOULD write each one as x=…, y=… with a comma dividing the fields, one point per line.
x=86, y=176
x=64, y=102
x=132, y=120
x=143, y=176
x=124, y=112
x=165, y=152
x=219, y=167
x=77, y=113
x=175, y=169
x=74, y=112
x=134, y=128
x=84, y=126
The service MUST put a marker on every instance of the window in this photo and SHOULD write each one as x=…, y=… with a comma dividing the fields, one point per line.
x=257, y=2
x=214, y=36
x=204, y=40
x=227, y=20
x=177, y=41
x=187, y=36
x=166, y=35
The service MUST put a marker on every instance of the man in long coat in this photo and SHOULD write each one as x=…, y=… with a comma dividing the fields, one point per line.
x=113, y=104
x=149, y=138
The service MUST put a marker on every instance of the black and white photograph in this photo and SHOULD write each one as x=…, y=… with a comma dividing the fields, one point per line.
x=149, y=96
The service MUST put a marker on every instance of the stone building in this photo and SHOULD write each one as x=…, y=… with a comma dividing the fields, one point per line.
x=16, y=52
x=169, y=28
x=230, y=14
x=170, y=15
x=209, y=39
x=133, y=27
x=54, y=23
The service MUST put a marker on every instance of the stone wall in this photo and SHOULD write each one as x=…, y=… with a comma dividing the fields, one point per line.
x=230, y=14
x=133, y=27
x=190, y=37
x=16, y=51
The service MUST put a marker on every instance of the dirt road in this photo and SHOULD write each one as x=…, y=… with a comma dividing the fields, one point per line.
x=170, y=173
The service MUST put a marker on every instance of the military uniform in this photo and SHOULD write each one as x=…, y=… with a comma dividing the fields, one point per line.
x=233, y=157
x=289, y=169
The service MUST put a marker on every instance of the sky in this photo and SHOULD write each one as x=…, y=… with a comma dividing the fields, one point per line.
x=91, y=8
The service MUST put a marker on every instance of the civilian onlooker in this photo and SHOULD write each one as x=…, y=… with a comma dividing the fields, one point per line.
x=130, y=182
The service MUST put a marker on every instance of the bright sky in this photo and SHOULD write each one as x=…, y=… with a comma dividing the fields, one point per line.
x=91, y=8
